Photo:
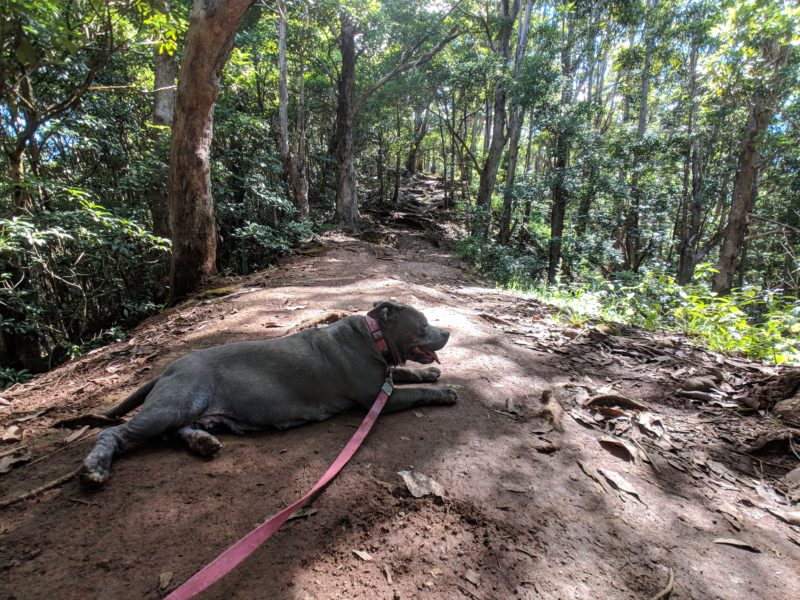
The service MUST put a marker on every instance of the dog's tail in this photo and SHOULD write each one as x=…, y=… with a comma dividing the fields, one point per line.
x=132, y=401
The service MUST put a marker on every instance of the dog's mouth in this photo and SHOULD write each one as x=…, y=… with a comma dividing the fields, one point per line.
x=422, y=356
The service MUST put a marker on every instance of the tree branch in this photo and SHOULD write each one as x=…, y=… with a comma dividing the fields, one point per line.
x=408, y=65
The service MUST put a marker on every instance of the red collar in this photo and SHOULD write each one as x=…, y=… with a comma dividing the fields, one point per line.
x=376, y=334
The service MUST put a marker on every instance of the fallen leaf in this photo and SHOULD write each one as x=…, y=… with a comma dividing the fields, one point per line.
x=420, y=485
x=619, y=482
x=418, y=414
x=473, y=577
x=619, y=447
x=542, y=427
x=387, y=571
x=12, y=434
x=737, y=544
x=512, y=407
x=614, y=400
x=593, y=474
x=363, y=555
x=514, y=487
x=164, y=580
x=9, y=462
x=76, y=434
x=793, y=518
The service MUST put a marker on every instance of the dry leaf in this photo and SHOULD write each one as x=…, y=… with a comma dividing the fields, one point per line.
x=619, y=482
x=12, y=434
x=164, y=580
x=76, y=434
x=737, y=544
x=793, y=518
x=388, y=572
x=363, y=555
x=420, y=485
x=473, y=577
x=514, y=487
x=9, y=462
x=592, y=472
x=619, y=447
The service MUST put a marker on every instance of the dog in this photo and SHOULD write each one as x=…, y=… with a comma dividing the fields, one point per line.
x=304, y=377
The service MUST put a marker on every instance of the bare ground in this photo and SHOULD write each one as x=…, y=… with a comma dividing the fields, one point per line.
x=520, y=518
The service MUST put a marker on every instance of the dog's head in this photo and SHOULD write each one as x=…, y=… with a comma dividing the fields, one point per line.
x=408, y=333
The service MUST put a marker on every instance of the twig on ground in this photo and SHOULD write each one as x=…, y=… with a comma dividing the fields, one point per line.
x=42, y=488
x=667, y=591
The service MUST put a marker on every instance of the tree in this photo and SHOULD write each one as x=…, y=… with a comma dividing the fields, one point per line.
x=294, y=159
x=501, y=46
x=209, y=40
x=770, y=30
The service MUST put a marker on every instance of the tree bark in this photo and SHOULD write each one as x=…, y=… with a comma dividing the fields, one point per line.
x=294, y=163
x=413, y=164
x=514, y=129
x=209, y=40
x=346, y=178
x=762, y=110
x=508, y=15
x=561, y=194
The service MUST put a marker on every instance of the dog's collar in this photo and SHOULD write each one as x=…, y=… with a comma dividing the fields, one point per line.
x=375, y=330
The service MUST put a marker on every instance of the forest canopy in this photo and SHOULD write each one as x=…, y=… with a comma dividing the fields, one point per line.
x=635, y=160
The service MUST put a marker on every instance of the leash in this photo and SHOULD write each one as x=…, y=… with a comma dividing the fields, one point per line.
x=235, y=554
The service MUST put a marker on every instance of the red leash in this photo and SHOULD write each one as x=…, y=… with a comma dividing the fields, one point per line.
x=236, y=553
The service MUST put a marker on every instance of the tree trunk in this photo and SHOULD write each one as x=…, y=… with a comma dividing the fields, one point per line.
x=209, y=40
x=514, y=129
x=165, y=70
x=508, y=14
x=762, y=110
x=346, y=178
x=632, y=236
x=294, y=163
x=560, y=191
x=413, y=163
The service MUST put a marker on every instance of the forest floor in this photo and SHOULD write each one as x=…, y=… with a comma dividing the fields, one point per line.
x=637, y=489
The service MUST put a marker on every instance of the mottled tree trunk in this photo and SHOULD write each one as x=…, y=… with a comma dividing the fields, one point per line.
x=514, y=129
x=762, y=110
x=209, y=40
x=508, y=14
x=413, y=164
x=294, y=163
x=346, y=178
x=560, y=191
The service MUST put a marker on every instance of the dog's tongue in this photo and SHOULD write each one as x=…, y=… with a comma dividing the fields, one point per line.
x=427, y=356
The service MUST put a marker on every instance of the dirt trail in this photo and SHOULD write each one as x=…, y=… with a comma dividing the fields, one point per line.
x=520, y=519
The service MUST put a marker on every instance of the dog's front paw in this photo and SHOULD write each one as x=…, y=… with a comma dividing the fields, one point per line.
x=449, y=396
x=430, y=374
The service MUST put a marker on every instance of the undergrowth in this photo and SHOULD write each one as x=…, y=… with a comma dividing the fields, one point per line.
x=757, y=323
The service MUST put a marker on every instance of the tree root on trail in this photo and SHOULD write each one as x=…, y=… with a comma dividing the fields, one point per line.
x=42, y=488
x=667, y=591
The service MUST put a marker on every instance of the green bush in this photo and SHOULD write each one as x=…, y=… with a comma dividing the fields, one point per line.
x=68, y=278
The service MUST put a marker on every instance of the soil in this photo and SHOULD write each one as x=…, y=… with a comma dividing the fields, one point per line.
x=520, y=517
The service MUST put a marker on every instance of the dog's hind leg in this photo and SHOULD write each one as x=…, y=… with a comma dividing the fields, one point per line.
x=171, y=409
x=199, y=441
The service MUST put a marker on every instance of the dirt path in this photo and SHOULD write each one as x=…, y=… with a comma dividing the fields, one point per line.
x=520, y=518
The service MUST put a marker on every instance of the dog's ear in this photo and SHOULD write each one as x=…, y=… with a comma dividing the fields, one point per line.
x=383, y=311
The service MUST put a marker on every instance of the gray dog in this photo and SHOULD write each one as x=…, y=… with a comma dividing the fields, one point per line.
x=279, y=383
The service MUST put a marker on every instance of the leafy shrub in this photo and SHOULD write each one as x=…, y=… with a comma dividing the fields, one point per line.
x=69, y=276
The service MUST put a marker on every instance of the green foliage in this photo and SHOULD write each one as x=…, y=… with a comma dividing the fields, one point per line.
x=70, y=276
x=759, y=324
